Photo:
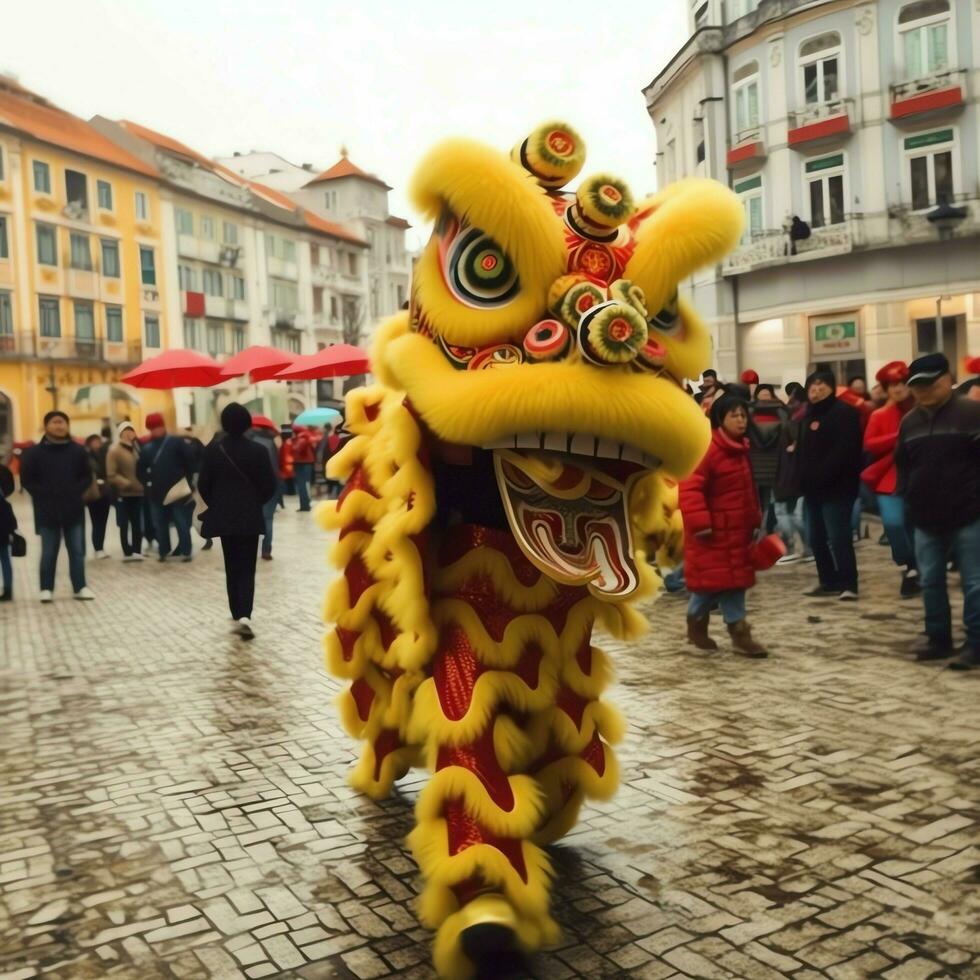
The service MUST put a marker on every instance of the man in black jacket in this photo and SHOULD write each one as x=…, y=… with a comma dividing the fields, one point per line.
x=163, y=462
x=830, y=470
x=938, y=460
x=56, y=473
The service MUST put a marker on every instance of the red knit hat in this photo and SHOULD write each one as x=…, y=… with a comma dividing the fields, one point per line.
x=892, y=373
x=973, y=365
x=155, y=420
x=749, y=377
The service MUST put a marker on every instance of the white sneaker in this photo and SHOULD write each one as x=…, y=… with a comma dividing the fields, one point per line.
x=133, y=558
x=788, y=559
x=47, y=595
x=85, y=594
x=102, y=554
x=244, y=628
x=848, y=596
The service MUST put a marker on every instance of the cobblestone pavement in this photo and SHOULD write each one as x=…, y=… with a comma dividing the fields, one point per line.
x=173, y=801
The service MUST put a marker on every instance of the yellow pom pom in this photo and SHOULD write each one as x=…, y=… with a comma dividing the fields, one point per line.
x=604, y=201
x=553, y=154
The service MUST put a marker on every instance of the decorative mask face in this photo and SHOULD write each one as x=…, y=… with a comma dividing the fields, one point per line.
x=546, y=326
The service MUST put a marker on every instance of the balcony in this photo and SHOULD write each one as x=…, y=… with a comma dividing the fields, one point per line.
x=190, y=247
x=827, y=122
x=938, y=95
x=222, y=308
x=88, y=350
x=281, y=268
x=774, y=247
x=323, y=275
x=747, y=148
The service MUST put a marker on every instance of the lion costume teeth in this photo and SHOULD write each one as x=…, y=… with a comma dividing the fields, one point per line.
x=506, y=478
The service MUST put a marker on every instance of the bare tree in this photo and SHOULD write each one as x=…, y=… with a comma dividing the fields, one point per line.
x=352, y=324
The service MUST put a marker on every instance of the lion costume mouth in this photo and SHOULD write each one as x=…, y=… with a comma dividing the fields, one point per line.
x=569, y=512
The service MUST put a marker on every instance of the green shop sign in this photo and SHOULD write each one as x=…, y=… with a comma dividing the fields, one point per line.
x=928, y=139
x=753, y=183
x=840, y=337
x=825, y=163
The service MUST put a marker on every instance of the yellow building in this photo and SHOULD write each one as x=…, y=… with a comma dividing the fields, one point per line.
x=82, y=276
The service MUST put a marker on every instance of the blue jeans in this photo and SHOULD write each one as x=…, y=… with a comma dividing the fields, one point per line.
x=303, y=474
x=180, y=515
x=790, y=522
x=932, y=551
x=6, y=569
x=74, y=535
x=892, y=510
x=269, y=514
x=731, y=601
x=829, y=523
x=674, y=579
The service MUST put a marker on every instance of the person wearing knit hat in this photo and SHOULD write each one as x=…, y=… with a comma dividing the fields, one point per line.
x=970, y=388
x=122, y=462
x=237, y=478
x=880, y=441
x=721, y=517
x=750, y=378
x=829, y=476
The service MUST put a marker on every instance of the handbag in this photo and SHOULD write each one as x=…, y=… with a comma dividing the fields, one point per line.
x=766, y=552
x=92, y=492
x=18, y=545
x=180, y=492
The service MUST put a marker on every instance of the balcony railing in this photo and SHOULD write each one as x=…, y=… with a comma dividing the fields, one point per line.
x=931, y=83
x=774, y=247
x=89, y=350
x=817, y=113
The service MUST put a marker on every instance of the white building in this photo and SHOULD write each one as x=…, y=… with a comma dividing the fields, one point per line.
x=248, y=266
x=358, y=200
x=861, y=119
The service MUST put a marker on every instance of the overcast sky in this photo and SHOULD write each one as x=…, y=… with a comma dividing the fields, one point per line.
x=385, y=78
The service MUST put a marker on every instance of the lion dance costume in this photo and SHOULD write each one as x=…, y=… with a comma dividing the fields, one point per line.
x=504, y=476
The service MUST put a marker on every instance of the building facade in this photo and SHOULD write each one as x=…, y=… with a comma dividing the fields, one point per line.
x=850, y=131
x=250, y=267
x=346, y=194
x=83, y=281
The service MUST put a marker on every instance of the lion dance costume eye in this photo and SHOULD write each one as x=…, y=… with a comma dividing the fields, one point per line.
x=508, y=474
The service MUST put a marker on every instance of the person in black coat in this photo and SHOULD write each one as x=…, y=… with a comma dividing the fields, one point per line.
x=98, y=510
x=236, y=480
x=56, y=473
x=830, y=471
x=8, y=524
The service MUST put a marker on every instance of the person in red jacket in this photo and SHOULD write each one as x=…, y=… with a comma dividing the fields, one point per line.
x=721, y=514
x=304, y=456
x=880, y=440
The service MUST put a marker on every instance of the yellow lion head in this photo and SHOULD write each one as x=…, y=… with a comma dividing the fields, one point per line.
x=545, y=333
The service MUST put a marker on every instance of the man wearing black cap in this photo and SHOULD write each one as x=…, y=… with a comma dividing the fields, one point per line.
x=938, y=460
x=56, y=473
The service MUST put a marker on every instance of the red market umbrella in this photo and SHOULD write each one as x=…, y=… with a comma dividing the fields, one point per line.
x=259, y=363
x=336, y=361
x=175, y=369
x=264, y=422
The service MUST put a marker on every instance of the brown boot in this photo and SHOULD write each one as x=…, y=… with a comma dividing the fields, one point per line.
x=743, y=643
x=697, y=633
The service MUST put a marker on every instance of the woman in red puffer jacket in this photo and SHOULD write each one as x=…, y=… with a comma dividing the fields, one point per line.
x=721, y=514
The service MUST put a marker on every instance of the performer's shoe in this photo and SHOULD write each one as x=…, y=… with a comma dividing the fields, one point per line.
x=697, y=633
x=742, y=642
x=481, y=942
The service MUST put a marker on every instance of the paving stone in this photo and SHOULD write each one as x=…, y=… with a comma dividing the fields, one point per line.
x=180, y=798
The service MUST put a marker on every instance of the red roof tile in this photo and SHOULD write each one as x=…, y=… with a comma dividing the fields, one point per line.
x=344, y=168
x=28, y=113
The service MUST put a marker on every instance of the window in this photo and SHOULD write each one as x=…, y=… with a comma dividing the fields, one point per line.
x=820, y=64
x=207, y=228
x=237, y=287
x=289, y=250
x=284, y=295
x=50, y=316
x=229, y=233
x=103, y=191
x=825, y=186
x=6, y=315
x=237, y=340
x=352, y=263
x=142, y=206
x=151, y=331
x=280, y=248
x=81, y=254
x=47, y=249
x=286, y=340
x=745, y=91
x=4, y=247
x=185, y=222
x=110, y=258
x=84, y=322
x=187, y=278
x=192, y=334
x=216, y=338
x=750, y=192
x=924, y=31
x=42, y=177
x=76, y=189
x=213, y=283
x=148, y=271
x=113, y=324
x=931, y=176
x=334, y=309
x=317, y=299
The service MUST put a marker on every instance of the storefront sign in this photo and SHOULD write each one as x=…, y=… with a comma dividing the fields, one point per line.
x=837, y=337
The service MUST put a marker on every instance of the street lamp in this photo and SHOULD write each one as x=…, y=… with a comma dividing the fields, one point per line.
x=946, y=217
